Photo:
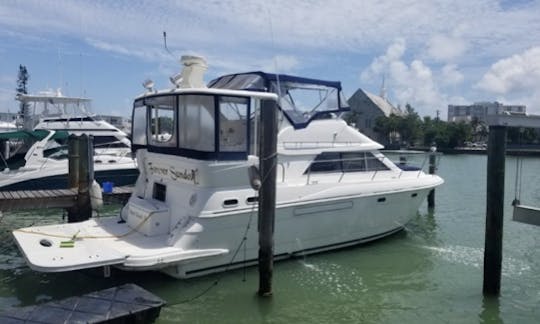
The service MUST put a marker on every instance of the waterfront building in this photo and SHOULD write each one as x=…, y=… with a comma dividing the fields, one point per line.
x=366, y=108
x=481, y=110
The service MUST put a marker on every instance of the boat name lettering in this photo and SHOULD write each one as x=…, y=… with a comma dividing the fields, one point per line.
x=158, y=170
x=185, y=174
x=189, y=175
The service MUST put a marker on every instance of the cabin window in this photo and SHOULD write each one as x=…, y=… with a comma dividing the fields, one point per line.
x=196, y=123
x=233, y=115
x=162, y=128
x=346, y=162
x=139, y=124
x=374, y=164
x=354, y=162
x=109, y=141
x=326, y=162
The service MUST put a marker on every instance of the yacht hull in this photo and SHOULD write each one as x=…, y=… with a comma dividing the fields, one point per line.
x=211, y=243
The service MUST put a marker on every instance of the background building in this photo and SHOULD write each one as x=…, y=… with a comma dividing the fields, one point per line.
x=481, y=110
x=366, y=108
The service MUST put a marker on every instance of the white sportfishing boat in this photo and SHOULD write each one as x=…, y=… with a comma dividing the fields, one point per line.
x=50, y=110
x=46, y=165
x=47, y=120
x=193, y=206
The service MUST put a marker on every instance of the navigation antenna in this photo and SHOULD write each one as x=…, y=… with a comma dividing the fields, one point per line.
x=165, y=44
x=282, y=114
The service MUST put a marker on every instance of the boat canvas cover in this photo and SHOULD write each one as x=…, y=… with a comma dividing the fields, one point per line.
x=37, y=135
x=301, y=99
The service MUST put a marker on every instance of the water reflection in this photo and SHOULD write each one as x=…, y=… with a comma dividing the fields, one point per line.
x=490, y=311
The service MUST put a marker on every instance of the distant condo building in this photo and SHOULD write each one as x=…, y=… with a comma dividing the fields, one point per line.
x=481, y=110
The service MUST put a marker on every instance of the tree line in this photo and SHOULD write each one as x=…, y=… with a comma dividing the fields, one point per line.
x=410, y=130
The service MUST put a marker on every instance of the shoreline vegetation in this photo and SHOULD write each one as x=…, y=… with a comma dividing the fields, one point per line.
x=412, y=132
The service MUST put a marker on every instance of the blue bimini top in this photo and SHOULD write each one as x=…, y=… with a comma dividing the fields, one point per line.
x=301, y=99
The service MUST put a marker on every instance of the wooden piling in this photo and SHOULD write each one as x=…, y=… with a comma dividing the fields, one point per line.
x=73, y=161
x=432, y=169
x=494, y=210
x=267, y=195
x=81, y=175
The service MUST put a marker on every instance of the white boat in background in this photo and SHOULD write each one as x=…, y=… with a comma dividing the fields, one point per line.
x=193, y=206
x=47, y=120
x=46, y=165
x=53, y=111
x=7, y=126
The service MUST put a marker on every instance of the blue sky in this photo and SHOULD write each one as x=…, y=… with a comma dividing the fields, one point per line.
x=431, y=53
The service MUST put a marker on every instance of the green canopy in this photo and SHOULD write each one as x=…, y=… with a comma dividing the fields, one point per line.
x=34, y=135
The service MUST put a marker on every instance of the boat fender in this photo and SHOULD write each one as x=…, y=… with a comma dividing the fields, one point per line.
x=96, y=197
x=254, y=177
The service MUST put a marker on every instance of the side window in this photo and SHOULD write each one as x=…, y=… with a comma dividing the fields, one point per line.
x=196, y=122
x=138, y=130
x=162, y=130
x=374, y=164
x=346, y=162
x=326, y=162
x=233, y=115
x=354, y=162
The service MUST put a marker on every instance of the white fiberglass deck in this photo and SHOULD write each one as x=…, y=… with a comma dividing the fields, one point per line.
x=98, y=242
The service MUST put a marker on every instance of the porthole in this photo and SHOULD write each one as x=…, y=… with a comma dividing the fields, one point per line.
x=230, y=203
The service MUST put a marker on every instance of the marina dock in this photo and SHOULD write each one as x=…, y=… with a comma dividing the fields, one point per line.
x=59, y=198
x=128, y=303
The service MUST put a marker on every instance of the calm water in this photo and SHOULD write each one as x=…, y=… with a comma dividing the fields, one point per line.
x=429, y=273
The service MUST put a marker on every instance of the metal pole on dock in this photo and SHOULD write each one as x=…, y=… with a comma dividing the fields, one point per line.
x=494, y=210
x=267, y=195
x=81, y=175
x=432, y=168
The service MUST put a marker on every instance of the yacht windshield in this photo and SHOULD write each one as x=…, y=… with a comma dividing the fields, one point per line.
x=301, y=99
x=302, y=102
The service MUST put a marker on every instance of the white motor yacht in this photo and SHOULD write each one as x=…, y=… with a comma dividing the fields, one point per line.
x=50, y=110
x=46, y=116
x=46, y=164
x=193, y=206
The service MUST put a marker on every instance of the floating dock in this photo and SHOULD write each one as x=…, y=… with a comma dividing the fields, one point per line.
x=128, y=303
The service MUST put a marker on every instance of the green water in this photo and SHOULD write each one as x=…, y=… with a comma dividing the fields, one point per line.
x=429, y=273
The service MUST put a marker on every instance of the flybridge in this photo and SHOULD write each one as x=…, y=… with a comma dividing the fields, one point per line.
x=301, y=99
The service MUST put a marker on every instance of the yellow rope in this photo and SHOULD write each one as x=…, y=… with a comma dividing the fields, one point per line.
x=76, y=236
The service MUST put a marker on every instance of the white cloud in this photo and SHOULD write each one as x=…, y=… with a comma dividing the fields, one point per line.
x=302, y=24
x=520, y=72
x=450, y=75
x=409, y=83
x=515, y=79
x=446, y=48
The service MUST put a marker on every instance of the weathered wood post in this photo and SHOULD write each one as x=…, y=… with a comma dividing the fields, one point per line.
x=432, y=169
x=267, y=194
x=81, y=175
x=73, y=161
x=494, y=210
